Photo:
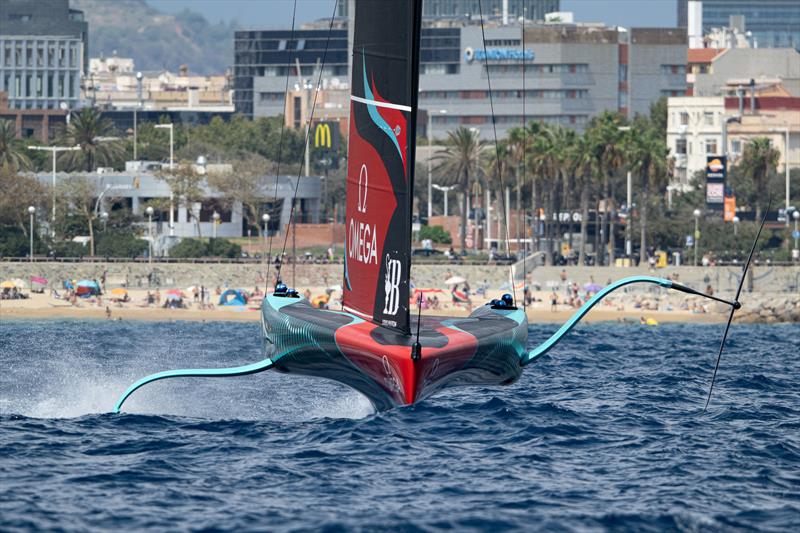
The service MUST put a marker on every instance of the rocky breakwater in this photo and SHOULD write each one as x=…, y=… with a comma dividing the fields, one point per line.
x=769, y=308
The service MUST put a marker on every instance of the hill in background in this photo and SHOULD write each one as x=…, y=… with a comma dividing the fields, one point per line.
x=156, y=40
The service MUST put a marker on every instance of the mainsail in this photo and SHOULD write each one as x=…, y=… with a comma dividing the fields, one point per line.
x=380, y=169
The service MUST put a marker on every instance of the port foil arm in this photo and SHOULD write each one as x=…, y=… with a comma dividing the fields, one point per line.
x=245, y=370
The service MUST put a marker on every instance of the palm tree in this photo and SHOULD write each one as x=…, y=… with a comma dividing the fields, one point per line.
x=759, y=160
x=584, y=163
x=648, y=155
x=604, y=130
x=93, y=133
x=459, y=163
x=11, y=153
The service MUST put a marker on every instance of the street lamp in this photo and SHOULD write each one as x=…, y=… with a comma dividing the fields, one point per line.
x=430, y=169
x=32, y=211
x=796, y=234
x=215, y=217
x=135, y=116
x=785, y=131
x=104, y=218
x=149, y=212
x=265, y=220
x=736, y=221
x=696, y=214
x=445, y=190
x=54, y=150
x=171, y=166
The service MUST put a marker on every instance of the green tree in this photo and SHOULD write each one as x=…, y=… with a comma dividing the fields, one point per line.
x=188, y=189
x=460, y=161
x=245, y=185
x=77, y=192
x=17, y=192
x=95, y=136
x=12, y=153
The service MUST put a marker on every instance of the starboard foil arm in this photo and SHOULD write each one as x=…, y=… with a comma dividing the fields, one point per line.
x=574, y=319
x=245, y=370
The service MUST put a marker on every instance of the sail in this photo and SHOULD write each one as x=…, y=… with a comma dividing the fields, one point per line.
x=380, y=168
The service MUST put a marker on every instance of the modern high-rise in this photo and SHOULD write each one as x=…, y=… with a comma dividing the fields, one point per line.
x=572, y=72
x=773, y=23
x=531, y=9
x=43, y=53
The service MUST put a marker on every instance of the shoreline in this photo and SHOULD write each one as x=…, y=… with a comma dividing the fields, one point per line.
x=41, y=307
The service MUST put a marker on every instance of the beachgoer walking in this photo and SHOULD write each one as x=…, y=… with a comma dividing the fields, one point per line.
x=553, y=301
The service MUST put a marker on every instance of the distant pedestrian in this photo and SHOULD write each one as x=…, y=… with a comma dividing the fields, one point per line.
x=553, y=301
x=108, y=313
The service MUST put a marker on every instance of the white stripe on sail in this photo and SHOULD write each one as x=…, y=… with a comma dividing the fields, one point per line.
x=380, y=104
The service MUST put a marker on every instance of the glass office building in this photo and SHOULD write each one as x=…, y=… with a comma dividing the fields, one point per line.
x=773, y=23
x=531, y=9
x=43, y=53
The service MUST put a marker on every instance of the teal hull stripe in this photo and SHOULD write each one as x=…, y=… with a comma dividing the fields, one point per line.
x=260, y=366
x=569, y=324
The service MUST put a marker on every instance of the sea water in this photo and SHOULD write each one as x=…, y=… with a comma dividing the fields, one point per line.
x=605, y=432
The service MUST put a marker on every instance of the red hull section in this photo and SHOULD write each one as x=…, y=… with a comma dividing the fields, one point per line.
x=391, y=366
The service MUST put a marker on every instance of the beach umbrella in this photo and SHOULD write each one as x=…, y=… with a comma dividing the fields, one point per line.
x=175, y=292
x=19, y=283
x=88, y=283
x=8, y=284
x=592, y=287
x=190, y=290
x=454, y=280
x=119, y=292
x=173, y=296
x=38, y=280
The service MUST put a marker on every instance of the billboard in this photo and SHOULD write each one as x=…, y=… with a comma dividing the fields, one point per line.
x=716, y=173
x=326, y=136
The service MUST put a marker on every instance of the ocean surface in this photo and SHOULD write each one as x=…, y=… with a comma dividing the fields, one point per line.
x=604, y=433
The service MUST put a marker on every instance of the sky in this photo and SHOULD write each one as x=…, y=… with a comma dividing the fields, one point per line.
x=277, y=14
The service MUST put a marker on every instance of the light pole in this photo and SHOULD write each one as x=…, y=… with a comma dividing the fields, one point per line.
x=445, y=190
x=785, y=131
x=32, y=211
x=54, y=150
x=149, y=212
x=215, y=217
x=696, y=214
x=629, y=218
x=135, y=116
x=796, y=251
x=171, y=166
x=265, y=220
x=104, y=218
x=430, y=169
x=736, y=221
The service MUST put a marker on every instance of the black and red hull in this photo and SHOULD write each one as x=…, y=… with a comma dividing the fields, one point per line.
x=486, y=348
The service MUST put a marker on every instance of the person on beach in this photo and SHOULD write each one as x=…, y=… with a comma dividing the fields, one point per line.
x=553, y=301
x=158, y=297
x=108, y=313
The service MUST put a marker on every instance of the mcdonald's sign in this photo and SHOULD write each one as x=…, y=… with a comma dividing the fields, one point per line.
x=326, y=136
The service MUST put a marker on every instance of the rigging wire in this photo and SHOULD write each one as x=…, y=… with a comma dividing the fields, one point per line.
x=524, y=169
x=497, y=149
x=280, y=146
x=305, y=144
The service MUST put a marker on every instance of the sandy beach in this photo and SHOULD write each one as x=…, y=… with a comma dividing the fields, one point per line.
x=44, y=306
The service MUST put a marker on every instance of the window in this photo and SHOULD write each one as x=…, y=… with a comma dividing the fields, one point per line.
x=708, y=118
x=282, y=44
x=684, y=118
x=736, y=146
x=680, y=146
x=301, y=44
x=711, y=146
